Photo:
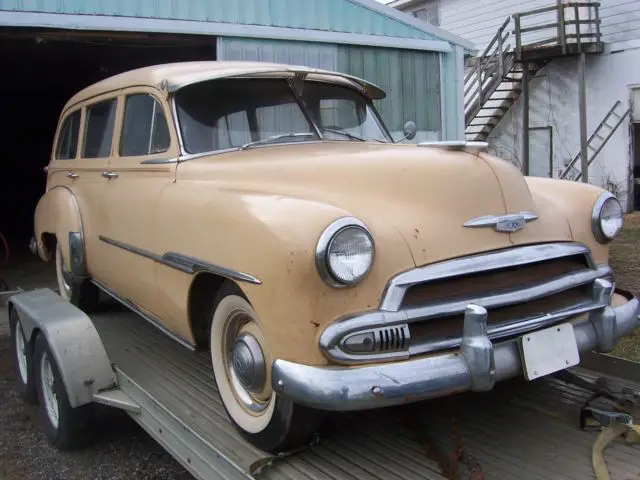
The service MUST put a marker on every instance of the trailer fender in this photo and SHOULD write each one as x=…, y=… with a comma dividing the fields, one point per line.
x=73, y=339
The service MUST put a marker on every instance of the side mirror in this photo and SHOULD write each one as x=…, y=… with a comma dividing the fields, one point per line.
x=409, y=131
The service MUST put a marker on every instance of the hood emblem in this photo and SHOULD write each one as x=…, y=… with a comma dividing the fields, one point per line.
x=511, y=222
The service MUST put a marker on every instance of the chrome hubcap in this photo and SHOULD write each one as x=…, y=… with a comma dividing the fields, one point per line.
x=21, y=353
x=248, y=363
x=245, y=365
x=49, y=390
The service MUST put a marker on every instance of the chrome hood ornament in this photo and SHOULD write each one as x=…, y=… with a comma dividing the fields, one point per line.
x=511, y=222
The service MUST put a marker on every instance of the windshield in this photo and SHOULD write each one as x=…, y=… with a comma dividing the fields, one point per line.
x=342, y=113
x=243, y=113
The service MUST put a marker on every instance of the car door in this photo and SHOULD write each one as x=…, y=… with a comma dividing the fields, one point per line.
x=142, y=164
x=81, y=155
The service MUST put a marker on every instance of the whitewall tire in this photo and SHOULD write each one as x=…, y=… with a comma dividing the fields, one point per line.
x=241, y=360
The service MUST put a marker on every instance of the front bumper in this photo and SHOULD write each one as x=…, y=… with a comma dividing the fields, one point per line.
x=476, y=366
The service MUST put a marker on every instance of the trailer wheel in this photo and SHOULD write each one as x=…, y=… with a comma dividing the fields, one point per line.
x=66, y=427
x=80, y=292
x=241, y=364
x=23, y=360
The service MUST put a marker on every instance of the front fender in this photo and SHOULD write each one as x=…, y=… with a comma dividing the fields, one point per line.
x=273, y=238
x=57, y=213
x=575, y=201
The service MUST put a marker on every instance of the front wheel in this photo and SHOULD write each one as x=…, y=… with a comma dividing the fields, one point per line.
x=81, y=292
x=242, y=367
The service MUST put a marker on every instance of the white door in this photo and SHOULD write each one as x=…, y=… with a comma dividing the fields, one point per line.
x=540, y=152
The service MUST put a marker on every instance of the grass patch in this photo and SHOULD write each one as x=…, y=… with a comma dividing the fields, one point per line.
x=625, y=261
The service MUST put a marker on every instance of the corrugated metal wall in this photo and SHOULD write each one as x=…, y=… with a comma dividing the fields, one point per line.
x=336, y=15
x=410, y=78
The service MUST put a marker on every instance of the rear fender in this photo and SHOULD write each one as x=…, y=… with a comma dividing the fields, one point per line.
x=73, y=339
x=58, y=213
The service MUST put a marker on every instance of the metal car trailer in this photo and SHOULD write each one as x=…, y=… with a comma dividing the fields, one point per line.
x=520, y=430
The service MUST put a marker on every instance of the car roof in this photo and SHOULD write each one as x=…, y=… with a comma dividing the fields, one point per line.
x=173, y=76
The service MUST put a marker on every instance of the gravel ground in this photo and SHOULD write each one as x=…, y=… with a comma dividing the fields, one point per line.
x=122, y=450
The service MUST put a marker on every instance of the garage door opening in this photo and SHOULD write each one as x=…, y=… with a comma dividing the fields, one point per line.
x=41, y=70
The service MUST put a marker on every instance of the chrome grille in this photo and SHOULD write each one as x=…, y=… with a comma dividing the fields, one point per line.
x=522, y=288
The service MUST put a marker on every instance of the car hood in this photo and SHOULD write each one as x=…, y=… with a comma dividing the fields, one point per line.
x=426, y=194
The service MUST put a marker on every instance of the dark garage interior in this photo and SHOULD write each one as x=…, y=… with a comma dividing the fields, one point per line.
x=41, y=70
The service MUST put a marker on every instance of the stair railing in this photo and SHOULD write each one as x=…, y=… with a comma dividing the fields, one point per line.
x=487, y=65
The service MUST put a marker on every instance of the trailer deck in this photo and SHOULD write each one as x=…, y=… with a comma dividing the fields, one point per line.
x=520, y=430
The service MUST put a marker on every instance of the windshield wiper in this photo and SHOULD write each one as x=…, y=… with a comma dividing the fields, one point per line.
x=351, y=135
x=277, y=137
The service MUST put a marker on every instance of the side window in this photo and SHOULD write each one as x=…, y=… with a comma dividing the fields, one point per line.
x=144, y=130
x=99, y=129
x=67, y=145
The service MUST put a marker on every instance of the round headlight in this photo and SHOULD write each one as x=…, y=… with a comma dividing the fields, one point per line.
x=607, y=218
x=345, y=252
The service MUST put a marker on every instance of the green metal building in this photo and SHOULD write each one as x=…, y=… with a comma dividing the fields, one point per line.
x=419, y=66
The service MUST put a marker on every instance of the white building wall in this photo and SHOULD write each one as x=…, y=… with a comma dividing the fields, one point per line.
x=479, y=20
x=554, y=103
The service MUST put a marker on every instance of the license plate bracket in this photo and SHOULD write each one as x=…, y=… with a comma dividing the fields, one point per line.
x=548, y=351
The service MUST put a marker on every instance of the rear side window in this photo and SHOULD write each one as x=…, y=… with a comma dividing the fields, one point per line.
x=99, y=129
x=68, y=137
x=145, y=130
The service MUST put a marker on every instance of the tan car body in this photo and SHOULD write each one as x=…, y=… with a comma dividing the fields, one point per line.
x=261, y=211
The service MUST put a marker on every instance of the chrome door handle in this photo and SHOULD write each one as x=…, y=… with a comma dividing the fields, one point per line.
x=72, y=175
x=110, y=175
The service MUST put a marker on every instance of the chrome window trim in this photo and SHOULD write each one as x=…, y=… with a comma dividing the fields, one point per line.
x=477, y=263
x=324, y=242
x=595, y=217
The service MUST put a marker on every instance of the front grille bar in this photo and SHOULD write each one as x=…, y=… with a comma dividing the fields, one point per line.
x=474, y=264
x=513, y=297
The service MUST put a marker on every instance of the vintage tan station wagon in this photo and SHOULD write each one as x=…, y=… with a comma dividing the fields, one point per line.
x=265, y=213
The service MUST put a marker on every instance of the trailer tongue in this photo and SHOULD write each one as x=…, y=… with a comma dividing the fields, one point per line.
x=521, y=430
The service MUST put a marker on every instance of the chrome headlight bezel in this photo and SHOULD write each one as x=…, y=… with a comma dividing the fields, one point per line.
x=323, y=247
x=596, y=217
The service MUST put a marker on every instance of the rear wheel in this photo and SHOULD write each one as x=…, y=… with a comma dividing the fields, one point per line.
x=23, y=360
x=242, y=367
x=79, y=291
x=66, y=427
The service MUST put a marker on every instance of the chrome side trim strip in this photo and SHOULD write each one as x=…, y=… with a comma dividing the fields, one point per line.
x=483, y=262
x=184, y=263
x=149, y=317
x=159, y=161
x=193, y=265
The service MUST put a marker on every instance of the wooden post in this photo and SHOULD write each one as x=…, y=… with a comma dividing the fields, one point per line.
x=525, y=118
x=582, y=109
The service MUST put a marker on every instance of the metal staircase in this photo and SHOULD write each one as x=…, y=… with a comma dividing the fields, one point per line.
x=600, y=136
x=494, y=82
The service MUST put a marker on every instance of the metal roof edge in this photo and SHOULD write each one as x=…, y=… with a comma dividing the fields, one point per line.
x=219, y=29
x=415, y=23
